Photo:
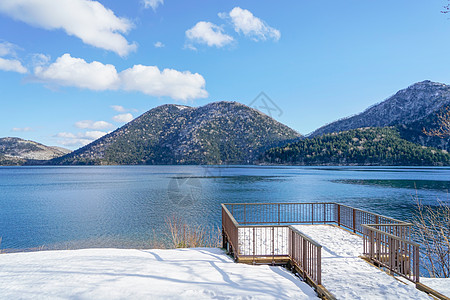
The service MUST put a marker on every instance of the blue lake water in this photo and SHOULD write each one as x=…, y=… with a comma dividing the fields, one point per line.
x=126, y=206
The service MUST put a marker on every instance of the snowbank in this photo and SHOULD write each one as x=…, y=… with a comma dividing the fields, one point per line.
x=201, y=273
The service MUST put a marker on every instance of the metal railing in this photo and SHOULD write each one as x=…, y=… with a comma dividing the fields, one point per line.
x=306, y=255
x=390, y=247
x=260, y=231
x=282, y=213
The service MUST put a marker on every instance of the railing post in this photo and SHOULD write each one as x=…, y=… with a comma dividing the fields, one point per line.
x=416, y=264
x=354, y=220
x=245, y=216
x=304, y=255
x=312, y=213
x=273, y=245
x=324, y=213
x=371, y=244
x=254, y=244
x=278, y=214
x=319, y=265
x=339, y=214
x=224, y=241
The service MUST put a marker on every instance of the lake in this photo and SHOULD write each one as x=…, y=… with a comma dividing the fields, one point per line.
x=126, y=206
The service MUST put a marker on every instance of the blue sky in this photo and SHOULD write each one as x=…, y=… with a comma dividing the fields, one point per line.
x=72, y=70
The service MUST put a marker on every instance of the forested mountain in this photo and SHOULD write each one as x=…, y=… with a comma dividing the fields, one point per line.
x=362, y=146
x=410, y=110
x=217, y=133
x=16, y=151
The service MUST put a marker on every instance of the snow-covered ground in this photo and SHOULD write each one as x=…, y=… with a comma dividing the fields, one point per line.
x=346, y=275
x=202, y=273
x=441, y=285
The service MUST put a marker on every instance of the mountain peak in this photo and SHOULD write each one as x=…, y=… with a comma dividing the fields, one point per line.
x=216, y=133
x=14, y=147
x=415, y=107
x=426, y=84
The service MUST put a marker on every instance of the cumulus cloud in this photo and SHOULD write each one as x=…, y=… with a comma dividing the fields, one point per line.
x=123, y=118
x=168, y=82
x=79, y=139
x=89, y=124
x=246, y=23
x=209, y=34
x=70, y=71
x=23, y=129
x=76, y=72
x=159, y=45
x=88, y=20
x=12, y=65
x=152, y=3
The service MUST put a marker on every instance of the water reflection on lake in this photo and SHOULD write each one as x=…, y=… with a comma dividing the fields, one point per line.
x=126, y=206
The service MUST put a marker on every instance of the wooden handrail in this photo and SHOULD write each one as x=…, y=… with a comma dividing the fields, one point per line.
x=368, y=226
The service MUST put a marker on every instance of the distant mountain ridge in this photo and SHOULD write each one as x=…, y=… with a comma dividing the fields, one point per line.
x=217, y=133
x=16, y=151
x=410, y=109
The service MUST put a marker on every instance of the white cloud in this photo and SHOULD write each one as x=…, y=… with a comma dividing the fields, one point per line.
x=8, y=49
x=118, y=108
x=76, y=72
x=89, y=124
x=70, y=71
x=246, y=23
x=209, y=34
x=153, y=3
x=172, y=83
x=12, y=65
x=79, y=139
x=93, y=135
x=39, y=59
x=159, y=45
x=123, y=118
x=73, y=142
x=23, y=129
x=88, y=20
x=67, y=135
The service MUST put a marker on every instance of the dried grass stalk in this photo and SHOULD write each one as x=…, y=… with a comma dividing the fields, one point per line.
x=183, y=235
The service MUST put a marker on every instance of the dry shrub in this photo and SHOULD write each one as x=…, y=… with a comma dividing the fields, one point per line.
x=433, y=233
x=183, y=235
